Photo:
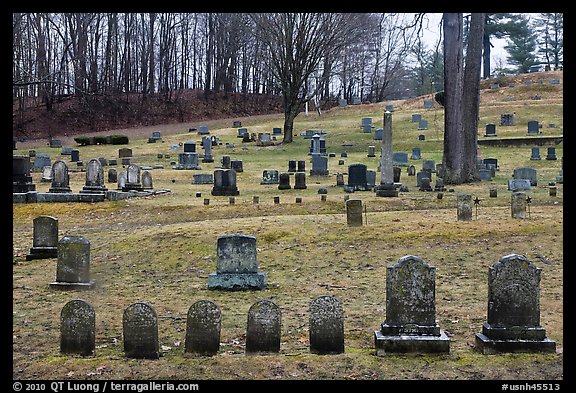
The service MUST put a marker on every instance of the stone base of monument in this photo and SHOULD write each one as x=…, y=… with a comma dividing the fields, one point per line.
x=494, y=340
x=187, y=167
x=93, y=190
x=237, y=281
x=386, y=190
x=406, y=343
x=225, y=191
x=42, y=253
x=73, y=285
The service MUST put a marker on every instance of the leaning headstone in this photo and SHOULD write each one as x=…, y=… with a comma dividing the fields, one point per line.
x=44, y=238
x=263, y=328
x=236, y=265
x=60, y=179
x=94, y=178
x=354, y=212
x=77, y=328
x=464, y=207
x=518, y=204
x=326, y=325
x=410, y=324
x=140, y=331
x=73, y=265
x=513, y=321
x=203, y=324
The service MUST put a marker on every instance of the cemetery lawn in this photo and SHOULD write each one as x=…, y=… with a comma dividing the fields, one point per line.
x=161, y=248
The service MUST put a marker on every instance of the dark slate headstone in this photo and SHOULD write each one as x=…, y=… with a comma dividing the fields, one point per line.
x=526, y=173
x=77, y=328
x=203, y=178
x=140, y=329
x=421, y=137
x=188, y=160
x=535, y=153
x=112, y=175
x=263, y=328
x=203, y=326
x=464, y=208
x=225, y=183
x=513, y=323
x=73, y=266
x=45, y=238
x=400, y=159
x=416, y=153
x=124, y=152
x=490, y=129
x=410, y=324
x=378, y=134
x=292, y=165
x=551, y=153
x=300, y=181
x=357, y=177
x=416, y=117
x=326, y=325
x=270, y=177
x=428, y=104
x=236, y=264
x=237, y=165
x=507, y=119
x=354, y=212
x=21, y=178
x=423, y=124
x=319, y=165
x=284, y=182
x=41, y=160
x=533, y=127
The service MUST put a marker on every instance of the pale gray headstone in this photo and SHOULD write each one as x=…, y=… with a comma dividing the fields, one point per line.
x=73, y=266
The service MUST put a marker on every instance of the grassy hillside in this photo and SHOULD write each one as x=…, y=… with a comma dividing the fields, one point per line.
x=160, y=249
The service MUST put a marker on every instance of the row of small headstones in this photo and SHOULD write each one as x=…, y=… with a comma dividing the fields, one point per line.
x=203, y=324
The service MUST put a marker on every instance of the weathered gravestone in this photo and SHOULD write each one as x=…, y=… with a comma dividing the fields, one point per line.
x=354, y=212
x=513, y=320
x=464, y=207
x=41, y=160
x=73, y=266
x=112, y=175
x=94, y=178
x=207, y=145
x=132, y=178
x=518, y=204
x=188, y=160
x=78, y=328
x=121, y=180
x=147, y=180
x=21, y=178
x=60, y=178
x=326, y=325
x=45, y=238
x=236, y=264
x=140, y=330
x=400, y=159
x=507, y=119
x=124, y=152
x=519, y=185
x=203, y=178
x=46, y=174
x=416, y=117
x=526, y=173
x=263, y=328
x=410, y=324
x=423, y=124
x=319, y=165
x=203, y=326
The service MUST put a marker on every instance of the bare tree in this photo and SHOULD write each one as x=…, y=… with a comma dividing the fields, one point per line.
x=298, y=43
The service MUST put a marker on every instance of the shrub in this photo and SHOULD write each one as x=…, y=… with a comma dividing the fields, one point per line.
x=100, y=140
x=119, y=139
x=82, y=140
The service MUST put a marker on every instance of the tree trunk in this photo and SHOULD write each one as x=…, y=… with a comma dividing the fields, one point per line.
x=453, y=52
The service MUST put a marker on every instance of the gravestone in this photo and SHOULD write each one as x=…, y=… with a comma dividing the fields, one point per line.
x=242, y=132
x=41, y=160
x=121, y=180
x=366, y=124
x=188, y=161
x=354, y=212
x=371, y=151
x=490, y=129
x=300, y=181
x=485, y=174
x=357, y=178
x=507, y=119
x=226, y=162
x=410, y=324
x=513, y=320
x=225, y=183
x=270, y=176
x=491, y=163
x=124, y=152
x=421, y=137
x=133, y=182
x=66, y=151
x=526, y=173
x=140, y=331
x=342, y=102
x=519, y=185
x=112, y=175
x=339, y=179
x=60, y=179
x=551, y=153
x=390, y=107
x=429, y=165
x=387, y=188
x=284, y=182
x=518, y=204
x=319, y=165
x=21, y=178
x=77, y=328
x=207, y=145
x=94, y=178
x=75, y=155
x=44, y=238
x=423, y=181
x=276, y=131
x=416, y=154
x=416, y=117
x=263, y=328
x=411, y=170
x=203, y=178
x=236, y=265
x=378, y=134
x=535, y=153
x=423, y=124
x=203, y=130
x=428, y=104
x=203, y=325
x=533, y=127
x=73, y=265
x=46, y=174
x=147, y=180
x=301, y=167
x=464, y=207
x=291, y=166
x=400, y=159
x=326, y=326
x=237, y=165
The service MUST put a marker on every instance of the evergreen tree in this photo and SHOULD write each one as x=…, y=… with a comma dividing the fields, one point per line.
x=550, y=27
x=521, y=43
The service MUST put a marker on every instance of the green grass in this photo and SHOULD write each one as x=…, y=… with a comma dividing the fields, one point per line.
x=161, y=249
